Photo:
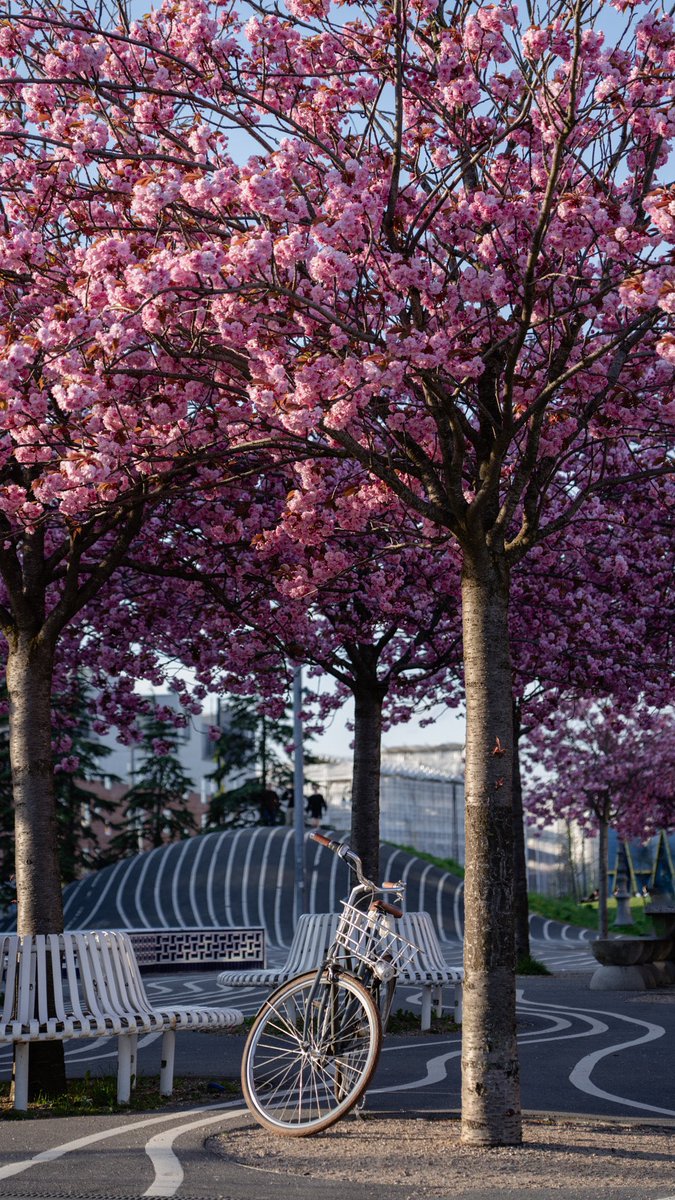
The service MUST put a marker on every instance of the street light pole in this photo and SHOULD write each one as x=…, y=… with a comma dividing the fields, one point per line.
x=298, y=794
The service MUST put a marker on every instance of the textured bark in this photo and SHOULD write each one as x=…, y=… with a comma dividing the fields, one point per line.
x=490, y=1076
x=29, y=680
x=365, y=834
x=39, y=904
x=521, y=908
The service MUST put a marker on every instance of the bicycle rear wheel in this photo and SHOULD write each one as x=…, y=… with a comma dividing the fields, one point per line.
x=311, y=1053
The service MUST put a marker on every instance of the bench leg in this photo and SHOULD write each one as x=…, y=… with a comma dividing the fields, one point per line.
x=438, y=1000
x=458, y=1002
x=20, y=1070
x=126, y=1065
x=426, y=1007
x=168, y=1055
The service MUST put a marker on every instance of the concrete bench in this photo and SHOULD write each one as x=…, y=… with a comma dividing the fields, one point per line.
x=316, y=931
x=633, y=963
x=662, y=916
x=61, y=986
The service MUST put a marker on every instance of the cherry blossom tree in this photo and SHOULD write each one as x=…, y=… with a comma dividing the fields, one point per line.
x=379, y=625
x=434, y=240
x=593, y=617
x=97, y=425
x=606, y=767
x=351, y=593
x=94, y=428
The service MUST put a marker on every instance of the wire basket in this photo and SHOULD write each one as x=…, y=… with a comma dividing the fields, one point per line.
x=368, y=937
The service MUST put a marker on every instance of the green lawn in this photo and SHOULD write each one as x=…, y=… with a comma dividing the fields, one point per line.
x=565, y=910
x=571, y=913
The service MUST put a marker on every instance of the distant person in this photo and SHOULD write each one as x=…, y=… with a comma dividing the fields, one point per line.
x=316, y=807
x=288, y=800
x=269, y=807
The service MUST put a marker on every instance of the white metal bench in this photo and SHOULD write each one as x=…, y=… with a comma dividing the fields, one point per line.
x=314, y=934
x=60, y=986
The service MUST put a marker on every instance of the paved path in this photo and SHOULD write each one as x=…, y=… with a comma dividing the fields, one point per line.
x=595, y=1053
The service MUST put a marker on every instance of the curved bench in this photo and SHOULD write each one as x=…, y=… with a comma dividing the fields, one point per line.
x=630, y=964
x=316, y=931
x=59, y=986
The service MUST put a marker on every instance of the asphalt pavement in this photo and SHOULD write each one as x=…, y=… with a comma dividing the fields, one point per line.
x=596, y=1055
x=592, y=1053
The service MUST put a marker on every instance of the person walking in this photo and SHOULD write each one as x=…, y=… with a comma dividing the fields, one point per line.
x=288, y=799
x=316, y=807
x=269, y=806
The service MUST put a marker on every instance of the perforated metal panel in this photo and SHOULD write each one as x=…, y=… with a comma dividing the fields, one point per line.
x=172, y=948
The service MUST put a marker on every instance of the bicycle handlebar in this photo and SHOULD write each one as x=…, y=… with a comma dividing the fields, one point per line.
x=330, y=844
x=345, y=852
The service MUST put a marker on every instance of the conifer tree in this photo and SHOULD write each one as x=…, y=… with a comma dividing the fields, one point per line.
x=250, y=761
x=77, y=754
x=156, y=805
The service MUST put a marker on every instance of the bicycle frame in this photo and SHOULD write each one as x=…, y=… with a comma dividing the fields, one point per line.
x=363, y=898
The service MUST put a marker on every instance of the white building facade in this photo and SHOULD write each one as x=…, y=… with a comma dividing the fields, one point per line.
x=419, y=807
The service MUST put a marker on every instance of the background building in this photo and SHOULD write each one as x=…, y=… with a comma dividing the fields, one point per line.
x=421, y=805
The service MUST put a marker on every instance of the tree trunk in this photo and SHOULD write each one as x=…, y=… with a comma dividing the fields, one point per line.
x=603, y=875
x=39, y=903
x=365, y=834
x=521, y=909
x=263, y=752
x=573, y=888
x=38, y=881
x=491, y=1112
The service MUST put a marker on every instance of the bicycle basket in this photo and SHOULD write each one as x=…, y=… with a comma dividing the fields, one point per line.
x=368, y=937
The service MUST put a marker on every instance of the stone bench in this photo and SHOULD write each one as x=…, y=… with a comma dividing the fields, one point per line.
x=316, y=931
x=633, y=964
x=61, y=986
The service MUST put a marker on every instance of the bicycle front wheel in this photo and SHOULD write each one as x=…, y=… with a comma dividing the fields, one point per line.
x=311, y=1053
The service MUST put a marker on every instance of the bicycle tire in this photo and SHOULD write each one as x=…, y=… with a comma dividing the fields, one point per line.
x=295, y=1089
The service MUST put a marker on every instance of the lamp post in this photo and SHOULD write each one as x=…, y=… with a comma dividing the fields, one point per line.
x=622, y=891
x=623, y=914
x=298, y=794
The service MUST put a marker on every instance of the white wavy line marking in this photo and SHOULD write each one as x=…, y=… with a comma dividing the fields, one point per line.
x=102, y=1136
x=580, y=1076
x=88, y=1053
x=435, y=1073
x=168, y=1172
x=435, y=1066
